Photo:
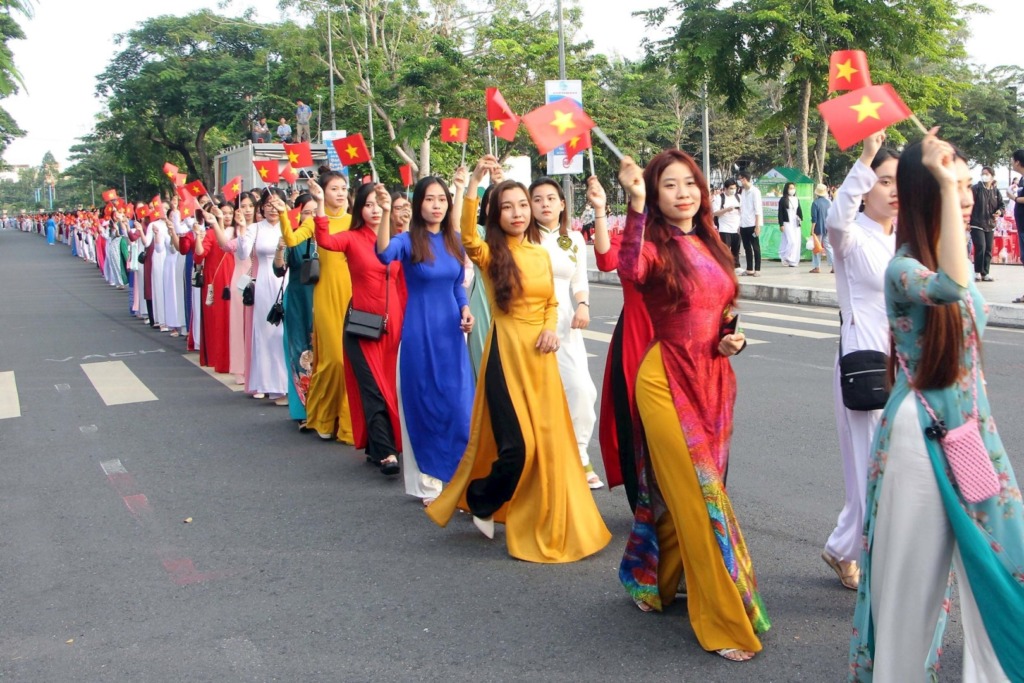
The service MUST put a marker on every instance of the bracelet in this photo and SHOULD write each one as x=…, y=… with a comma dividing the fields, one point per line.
x=597, y=218
x=583, y=303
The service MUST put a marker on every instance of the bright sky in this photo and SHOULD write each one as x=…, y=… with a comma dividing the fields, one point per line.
x=69, y=42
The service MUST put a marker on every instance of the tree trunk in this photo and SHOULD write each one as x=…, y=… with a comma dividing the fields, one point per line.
x=803, y=147
x=786, y=137
x=819, y=152
x=425, y=157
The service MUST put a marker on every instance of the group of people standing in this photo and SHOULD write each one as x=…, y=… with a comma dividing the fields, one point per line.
x=442, y=337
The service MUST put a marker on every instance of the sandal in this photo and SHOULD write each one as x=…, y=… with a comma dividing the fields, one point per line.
x=1019, y=300
x=735, y=655
x=644, y=607
x=389, y=465
x=848, y=572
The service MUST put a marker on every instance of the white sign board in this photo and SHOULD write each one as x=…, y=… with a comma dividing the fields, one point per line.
x=558, y=162
x=333, y=160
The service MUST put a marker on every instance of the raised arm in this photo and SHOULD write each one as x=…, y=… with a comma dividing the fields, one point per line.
x=843, y=231
x=295, y=235
x=633, y=263
x=476, y=248
x=597, y=199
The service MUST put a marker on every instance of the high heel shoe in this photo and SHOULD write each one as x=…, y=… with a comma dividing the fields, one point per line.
x=485, y=525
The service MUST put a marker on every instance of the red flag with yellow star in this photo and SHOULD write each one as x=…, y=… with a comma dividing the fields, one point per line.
x=497, y=107
x=289, y=174
x=109, y=195
x=268, y=170
x=170, y=170
x=295, y=217
x=454, y=130
x=196, y=188
x=352, y=149
x=405, y=170
x=848, y=70
x=577, y=145
x=188, y=206
x=143, y=211
x=300, y=155
x=556, y=123
x=506, y=128
x=860, y=113
x=179, y=179
x=232, y=189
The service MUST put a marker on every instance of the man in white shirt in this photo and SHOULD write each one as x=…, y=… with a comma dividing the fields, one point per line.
x=727, y=211
x=751, y=219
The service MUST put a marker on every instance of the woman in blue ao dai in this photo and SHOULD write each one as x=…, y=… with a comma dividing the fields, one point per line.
x=435, y=382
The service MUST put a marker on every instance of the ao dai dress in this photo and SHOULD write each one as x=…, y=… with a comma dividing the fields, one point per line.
x=267, y=372
x=435, y=378
x=569, y=266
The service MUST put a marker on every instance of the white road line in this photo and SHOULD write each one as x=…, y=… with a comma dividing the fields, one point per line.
x=117, y=384
x=597, y=336
x=810, y=334
x=10, y=406
x=788, y=318
x=805, y=308
x=226, y=380
x=113, y=467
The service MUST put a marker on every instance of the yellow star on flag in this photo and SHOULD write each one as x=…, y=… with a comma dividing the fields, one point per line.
x=263, y=172
x=575, y=141
x=453, y=131
x=846, y=70
x=498, y=124
x=563, y=121
x=867, y=109
x=293, y=157
x=237, y=187
x=352, y=151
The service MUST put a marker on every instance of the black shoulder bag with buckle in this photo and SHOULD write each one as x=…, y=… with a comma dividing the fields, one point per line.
x=276, y=313
x=863, y=377
x=309, y=273
x=370, y=325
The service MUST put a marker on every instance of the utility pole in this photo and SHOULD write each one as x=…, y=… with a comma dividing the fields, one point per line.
x=706, y=135
x=330, y=60
x=566, y=181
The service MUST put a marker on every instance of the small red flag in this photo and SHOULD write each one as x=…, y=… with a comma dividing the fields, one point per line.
x=156, y=208
x=352, y=149
x=405, y=170
x=188, y=206
x=497, y=107
x=232, y=189
x=300, y=155
x=293, y=217
x=182, y=192
x=289, y=174
x=109, y=195
x=170, y=170
x=506, y=128
x=143, y=211
x=556, y=123
x=268, y=170
x=848, y=70
x=196, y=188
x=121, y=204
x=577, y=145
x=179, y=179
x=454, y=130
x=860, y=113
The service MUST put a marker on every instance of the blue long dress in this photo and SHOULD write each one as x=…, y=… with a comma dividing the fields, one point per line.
x=51, y=231
x=436, y=378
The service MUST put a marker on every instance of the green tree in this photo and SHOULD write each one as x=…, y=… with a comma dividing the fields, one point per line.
x=10, y=77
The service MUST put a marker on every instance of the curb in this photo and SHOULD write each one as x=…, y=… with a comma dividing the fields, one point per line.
x=1000, y=315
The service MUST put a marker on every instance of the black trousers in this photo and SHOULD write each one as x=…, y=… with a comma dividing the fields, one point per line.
x=380, y=437
x=149, y=312
x=623, y=417
x=983, y=241
x=752, y=248
x=486, y=496
x=732, y=240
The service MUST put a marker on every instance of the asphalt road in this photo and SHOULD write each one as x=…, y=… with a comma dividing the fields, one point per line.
x=302, y=563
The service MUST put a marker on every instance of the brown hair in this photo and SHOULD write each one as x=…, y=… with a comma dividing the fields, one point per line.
x=673, y=271
x=918, y=226
x=418, y=233
x=506, y=280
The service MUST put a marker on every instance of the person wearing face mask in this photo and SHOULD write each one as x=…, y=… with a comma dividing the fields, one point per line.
x=727, y=211
x=751, y=220
x=863, y=243
x=988, y=205
x=791, y=215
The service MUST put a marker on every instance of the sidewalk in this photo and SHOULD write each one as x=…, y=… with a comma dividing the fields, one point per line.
x=781, y=284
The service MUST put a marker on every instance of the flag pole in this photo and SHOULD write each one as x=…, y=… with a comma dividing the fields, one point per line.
x=607, y=143
x=463, y=154
x=490, y=148
x=913, y=117
x=590, y=153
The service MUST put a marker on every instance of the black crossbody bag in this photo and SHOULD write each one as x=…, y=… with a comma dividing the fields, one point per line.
x=309, y=272
x=863, y=377
x=369, y=325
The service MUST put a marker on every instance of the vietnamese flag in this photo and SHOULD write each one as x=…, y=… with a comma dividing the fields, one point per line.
x=454, y=130
x=860, y=113
x=556, y=123
x=183, y=194
x=268, y=170
x=170, y=170
x=179, y=179
x=109, y=195
x=300, y=155
x=196, y=188
x=189, y=206
x=156, y=208
x=289, y=174
x=848, y=70
x=293, y=217
x=577, y=144
x=506, y=128
x=352, y=149
x=497, y=107
x=232, y=189
x=143, y=211
x=405, y=170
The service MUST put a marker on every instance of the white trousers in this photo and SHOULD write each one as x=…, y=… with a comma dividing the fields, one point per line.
x=417, y=484
x=580, y=392
x=856, y=431
x=910, y=561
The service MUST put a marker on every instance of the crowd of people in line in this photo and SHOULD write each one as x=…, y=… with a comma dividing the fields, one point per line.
x=442, y=337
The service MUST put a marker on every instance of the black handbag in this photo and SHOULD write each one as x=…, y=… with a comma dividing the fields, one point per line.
x=309, y=272
x=197, y=275
x=369, y=325
x=863, y=377
x=142, y=257
x=276, y=313
x=249, y=294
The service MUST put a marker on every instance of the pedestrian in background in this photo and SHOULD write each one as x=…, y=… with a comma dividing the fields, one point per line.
x=751, y=220
x=791, y=216
x=1017, y=163
x=303, y=113
x=988, y=206
x=727, y=213
x=819, y=211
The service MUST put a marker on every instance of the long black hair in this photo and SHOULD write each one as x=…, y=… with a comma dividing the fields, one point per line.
x=418, y=233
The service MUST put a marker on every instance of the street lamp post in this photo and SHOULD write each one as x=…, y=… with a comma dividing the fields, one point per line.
x=566, y=181
x=330, y=61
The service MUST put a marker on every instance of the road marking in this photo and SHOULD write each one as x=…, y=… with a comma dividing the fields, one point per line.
x=225, y=379
x=810, y=334
x=88, y=429
x=62, y=387
x=10, y=406
x=597, y=336
x=790, y=318
x=117, y=384
x=110, y=467
x=803, y=308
